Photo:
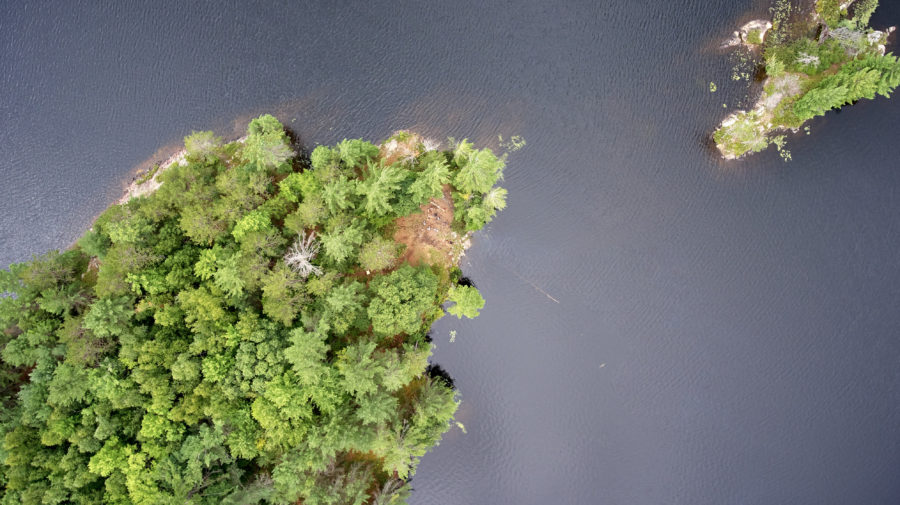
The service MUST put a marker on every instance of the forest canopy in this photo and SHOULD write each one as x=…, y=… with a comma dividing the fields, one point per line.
x=253, y=331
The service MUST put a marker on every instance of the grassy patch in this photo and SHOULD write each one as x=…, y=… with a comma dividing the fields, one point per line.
x=149, y=175
x=742, y=133
x=754, y=37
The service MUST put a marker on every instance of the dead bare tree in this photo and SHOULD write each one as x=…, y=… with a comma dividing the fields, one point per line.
x=807, y=59
x=300, y=255
x=430, y=144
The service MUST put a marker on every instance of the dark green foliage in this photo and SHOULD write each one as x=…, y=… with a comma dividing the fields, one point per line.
x=861, y=78
x=863, y=10
x=804, y=55
x=180, y=354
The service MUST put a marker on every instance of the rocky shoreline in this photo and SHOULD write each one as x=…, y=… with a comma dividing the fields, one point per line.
x=792, y=72
x=142, y=184
x=147, y=182
x=751, y=34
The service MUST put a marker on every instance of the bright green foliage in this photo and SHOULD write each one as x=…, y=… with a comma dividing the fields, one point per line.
x=467, y=302
x=344, y=308
x=462, y=151
x=108, y=316
x=223, y=268
x=253, y=221
x=479, y=172
x=744, y=134
x=430, y=181
x=830, y=10
x=307, y=354
x=817, y=101
x=283, y=294
x=324, y=157
x=267, y=145
x=228, y=278
x=754, y=37
x=476, y=199
x=124, y=225
x=341, y=243
x=401, y=299
x=94, y=243
x=176, y=357
x=358, y=368
x=338, y=195
x=299, y=185
x=201, y=224
x=203, y=146
x=208, y=262
x=477, y=211
x=380, y=188
x=309, y=213
x=402, y=447
x=774, y=66
x=495, y=200
x=356, y=152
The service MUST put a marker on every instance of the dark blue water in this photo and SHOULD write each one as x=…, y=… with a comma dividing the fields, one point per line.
x=662, y=327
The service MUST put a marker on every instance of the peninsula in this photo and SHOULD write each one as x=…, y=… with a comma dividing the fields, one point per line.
x=812, y=62
x=248, y=326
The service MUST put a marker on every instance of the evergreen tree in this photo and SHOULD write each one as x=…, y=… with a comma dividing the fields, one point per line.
x=186, y=351
x=479, y=172
x=429, y=183
x=267, y=147
x=379, y=188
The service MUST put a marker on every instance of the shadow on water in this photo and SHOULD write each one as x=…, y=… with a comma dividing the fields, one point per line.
x=465, y=281
x=301, y=160
x=437, y=372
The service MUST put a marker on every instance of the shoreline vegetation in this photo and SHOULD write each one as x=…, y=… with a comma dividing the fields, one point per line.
x=147, y=181
x=809, y=63
x=245, y=326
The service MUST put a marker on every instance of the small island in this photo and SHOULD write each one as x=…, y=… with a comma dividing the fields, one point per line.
x=246, y=326
x=812, y=62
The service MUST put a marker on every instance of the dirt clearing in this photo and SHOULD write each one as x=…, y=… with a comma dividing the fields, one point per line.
x=428, y=235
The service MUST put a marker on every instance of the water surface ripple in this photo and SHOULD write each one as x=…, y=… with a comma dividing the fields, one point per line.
x=661, y=327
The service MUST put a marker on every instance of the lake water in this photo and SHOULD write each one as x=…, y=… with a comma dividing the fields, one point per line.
x=662, y=327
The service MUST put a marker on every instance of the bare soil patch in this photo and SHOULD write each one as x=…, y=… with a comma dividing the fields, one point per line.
x=428, y=235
